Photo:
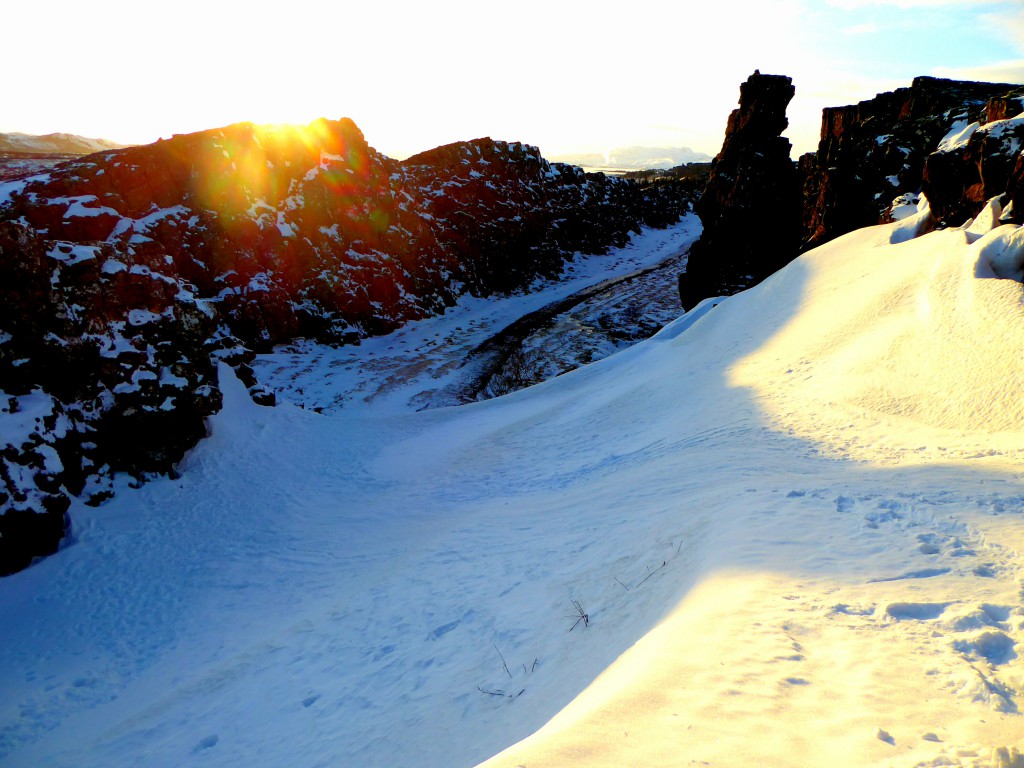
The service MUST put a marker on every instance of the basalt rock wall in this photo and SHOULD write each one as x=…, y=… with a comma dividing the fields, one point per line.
x=750, y=207
x=959, y=142
x=872, y=152
x=978, y=161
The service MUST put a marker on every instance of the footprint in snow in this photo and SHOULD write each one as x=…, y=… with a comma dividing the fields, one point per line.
x=995, y=647
x=853, y=610
x=207, y=743
x=844, y=504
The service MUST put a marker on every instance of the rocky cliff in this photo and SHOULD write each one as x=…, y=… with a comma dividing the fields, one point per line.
x=750, y=206
x=977, y=161
x=958, y=142
x=872, y=152
x=127, y=275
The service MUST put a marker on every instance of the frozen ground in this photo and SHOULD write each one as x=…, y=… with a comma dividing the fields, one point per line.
x=632, y=309
x=428, y=363
x=795, y=524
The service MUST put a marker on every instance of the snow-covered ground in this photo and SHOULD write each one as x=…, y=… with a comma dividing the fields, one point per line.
x=428, y=363
x=794, y=523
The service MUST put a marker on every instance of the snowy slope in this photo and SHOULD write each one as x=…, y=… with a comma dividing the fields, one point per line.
x=795, y=524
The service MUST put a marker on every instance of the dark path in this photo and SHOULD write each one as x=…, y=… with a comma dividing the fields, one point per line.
x=490, y=356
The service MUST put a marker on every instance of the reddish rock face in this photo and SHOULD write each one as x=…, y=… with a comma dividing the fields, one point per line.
x=125, y=276
x=873, y=151
x=958, y=180
x=1001, y=108
x=750, y=207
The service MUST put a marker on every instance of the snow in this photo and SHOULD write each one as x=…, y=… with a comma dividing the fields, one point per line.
x=903, y=206
x=957, y=136
x=283, y=226
x=1001, y=253
x=8, y=189
x=911, y=225
x=170, y=379
x=421, y=364
x=72, y=253
x=22, y=416
x=138, y=317
x=793, y=521
x=1014, y=126
x=77, y=206
x=961, y=132
x=144, y=223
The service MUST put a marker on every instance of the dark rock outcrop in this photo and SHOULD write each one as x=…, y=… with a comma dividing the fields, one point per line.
x=873, y=151
x=978, y=164
x=750, y=207
x=1015, y=189
x=127, y=275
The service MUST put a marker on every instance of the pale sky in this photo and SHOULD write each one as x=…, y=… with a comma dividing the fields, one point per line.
x=566, y=75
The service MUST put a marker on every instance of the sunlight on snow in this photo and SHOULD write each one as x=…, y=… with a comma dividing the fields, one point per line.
x=920, y=365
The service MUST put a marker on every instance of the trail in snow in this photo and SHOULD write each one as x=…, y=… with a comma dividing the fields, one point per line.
x=781, y=563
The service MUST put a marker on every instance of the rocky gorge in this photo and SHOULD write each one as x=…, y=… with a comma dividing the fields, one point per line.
x=126, y=276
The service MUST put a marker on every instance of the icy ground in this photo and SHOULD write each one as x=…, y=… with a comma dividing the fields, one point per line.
x=794, y=524
x=428, y=363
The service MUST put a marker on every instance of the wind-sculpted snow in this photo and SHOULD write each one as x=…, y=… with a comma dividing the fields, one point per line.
x=127, y=274
x=793, y=522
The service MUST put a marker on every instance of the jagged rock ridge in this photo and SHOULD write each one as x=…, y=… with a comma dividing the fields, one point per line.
x=978, y=161
x=750, y=207
x=873, y=151
x=959, y=142
x=126, y=276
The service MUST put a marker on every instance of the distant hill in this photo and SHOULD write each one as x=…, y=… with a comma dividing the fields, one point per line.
x=62, y=143
x=635, y=158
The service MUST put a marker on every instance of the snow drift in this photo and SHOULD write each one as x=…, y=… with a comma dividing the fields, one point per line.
x=786, y=532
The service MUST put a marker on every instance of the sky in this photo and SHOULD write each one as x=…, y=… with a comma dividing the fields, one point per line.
x=565, y=75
